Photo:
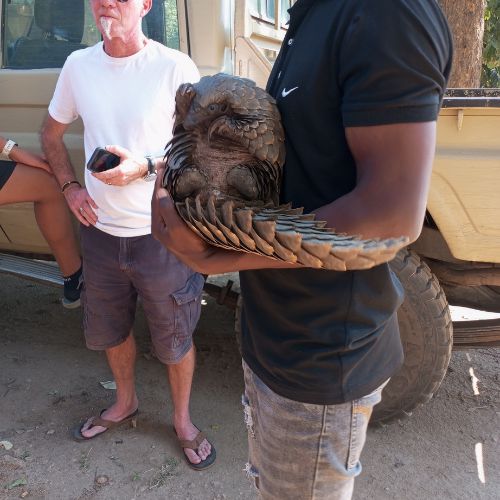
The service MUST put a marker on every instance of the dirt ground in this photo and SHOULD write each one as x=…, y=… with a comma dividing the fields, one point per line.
x=448, y=449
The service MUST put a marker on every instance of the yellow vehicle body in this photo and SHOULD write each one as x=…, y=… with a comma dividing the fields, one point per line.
x=464, y=198
x=460, y=242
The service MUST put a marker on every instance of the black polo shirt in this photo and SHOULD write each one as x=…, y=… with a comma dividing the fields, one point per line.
x=326, y=337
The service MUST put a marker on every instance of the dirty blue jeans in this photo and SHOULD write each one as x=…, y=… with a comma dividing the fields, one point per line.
x=300, y=451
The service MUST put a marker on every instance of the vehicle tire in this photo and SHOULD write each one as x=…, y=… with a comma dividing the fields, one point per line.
x=427, y=336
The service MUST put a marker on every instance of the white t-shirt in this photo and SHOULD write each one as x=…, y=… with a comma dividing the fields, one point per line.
x=128, y=101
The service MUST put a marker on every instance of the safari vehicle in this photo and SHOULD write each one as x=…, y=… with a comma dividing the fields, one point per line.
x=455, y=261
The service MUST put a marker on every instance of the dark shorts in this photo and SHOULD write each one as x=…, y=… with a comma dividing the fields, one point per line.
x=118, y=270
x=6, y=169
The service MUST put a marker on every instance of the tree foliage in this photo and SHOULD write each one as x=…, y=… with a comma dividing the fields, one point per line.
x=491, y=52
x=171, y=24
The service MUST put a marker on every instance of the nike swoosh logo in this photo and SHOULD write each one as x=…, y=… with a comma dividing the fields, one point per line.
x=285, y=92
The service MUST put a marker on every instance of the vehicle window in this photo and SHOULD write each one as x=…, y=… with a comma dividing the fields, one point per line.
x=42, y=33
x=161, y=24
x=266, y=9
x=271, y=14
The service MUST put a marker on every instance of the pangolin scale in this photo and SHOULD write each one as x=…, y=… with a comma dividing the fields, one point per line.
x=223, y=170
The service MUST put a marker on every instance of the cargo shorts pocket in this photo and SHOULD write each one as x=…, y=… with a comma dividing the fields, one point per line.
x=187, y=308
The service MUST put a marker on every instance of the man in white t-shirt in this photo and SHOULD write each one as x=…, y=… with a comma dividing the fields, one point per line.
x=124, y=89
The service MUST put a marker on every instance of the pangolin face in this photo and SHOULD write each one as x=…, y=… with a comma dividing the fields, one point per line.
x=205, y=109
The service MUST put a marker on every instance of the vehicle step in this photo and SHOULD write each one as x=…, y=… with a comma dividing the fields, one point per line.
x=222, y=288
x=479, y=333
x=35, y=270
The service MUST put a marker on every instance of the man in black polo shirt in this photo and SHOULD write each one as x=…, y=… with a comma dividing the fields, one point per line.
x=359, y=85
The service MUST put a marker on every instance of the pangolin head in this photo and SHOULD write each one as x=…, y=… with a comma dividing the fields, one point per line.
x=203, y=104
x=245, y=109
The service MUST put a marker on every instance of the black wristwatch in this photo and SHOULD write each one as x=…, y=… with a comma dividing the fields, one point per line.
x=151, y=173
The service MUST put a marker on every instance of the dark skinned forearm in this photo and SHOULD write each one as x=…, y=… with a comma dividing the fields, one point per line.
x=394, y=165
x=220, y=261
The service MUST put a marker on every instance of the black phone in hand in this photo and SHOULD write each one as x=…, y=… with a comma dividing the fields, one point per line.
x=102, y=160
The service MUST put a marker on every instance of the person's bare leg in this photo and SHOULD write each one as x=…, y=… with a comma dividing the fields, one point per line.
x=180, y=377
x=30, y=184
x=121, y=359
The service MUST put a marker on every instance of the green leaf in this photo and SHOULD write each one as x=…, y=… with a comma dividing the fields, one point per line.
x=17, y=483
x=491, y=45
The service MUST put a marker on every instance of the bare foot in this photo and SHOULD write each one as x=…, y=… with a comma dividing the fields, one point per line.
x=189, y=432
x=113, y=413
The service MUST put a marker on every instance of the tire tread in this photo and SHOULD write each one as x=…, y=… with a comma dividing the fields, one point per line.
x=411, y=387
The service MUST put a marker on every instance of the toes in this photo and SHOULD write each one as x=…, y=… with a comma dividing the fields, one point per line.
x=204, y=449
x=93, y=431
x=89, y=430
x=84, y=430
x=192, y=456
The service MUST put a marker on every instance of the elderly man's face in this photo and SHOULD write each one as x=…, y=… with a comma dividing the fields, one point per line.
x=119, y=19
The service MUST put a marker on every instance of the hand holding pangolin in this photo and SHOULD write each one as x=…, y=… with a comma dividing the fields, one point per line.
x=223, y=170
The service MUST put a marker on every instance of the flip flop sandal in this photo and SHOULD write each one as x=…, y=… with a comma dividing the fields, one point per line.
x=102, y=422
x=194, y=444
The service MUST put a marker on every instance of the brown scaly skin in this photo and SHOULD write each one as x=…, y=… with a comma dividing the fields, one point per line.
x=224, y=167
x=228, y=140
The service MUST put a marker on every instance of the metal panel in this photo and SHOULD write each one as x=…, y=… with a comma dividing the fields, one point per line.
x=464, y=197
x=44, y=272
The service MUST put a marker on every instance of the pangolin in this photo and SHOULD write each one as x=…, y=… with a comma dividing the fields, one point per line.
x=223, y=170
